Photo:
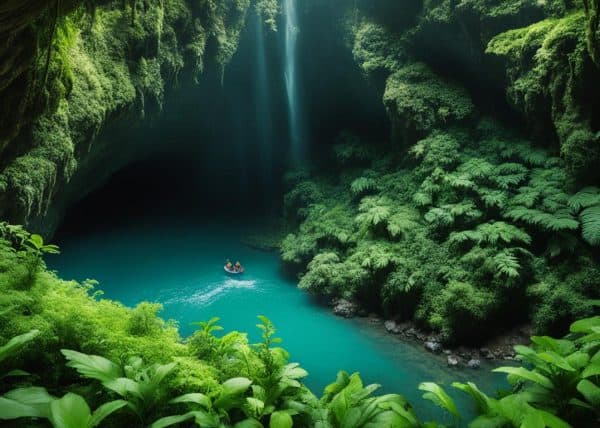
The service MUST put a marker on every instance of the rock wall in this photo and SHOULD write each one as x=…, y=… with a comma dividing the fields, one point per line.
x=90, y=67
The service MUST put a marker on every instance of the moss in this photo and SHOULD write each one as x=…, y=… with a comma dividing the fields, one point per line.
x=377, y=48
x=551, y=75
x=102, y=66
x=452, y=233
x=419, y=100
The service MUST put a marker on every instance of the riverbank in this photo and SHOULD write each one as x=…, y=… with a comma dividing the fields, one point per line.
x=500, y=347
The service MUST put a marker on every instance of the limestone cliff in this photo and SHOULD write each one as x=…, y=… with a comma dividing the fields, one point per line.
x=75, y=75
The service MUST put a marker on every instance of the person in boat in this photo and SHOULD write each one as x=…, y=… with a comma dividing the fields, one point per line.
x=228, y=265
x=237, y=267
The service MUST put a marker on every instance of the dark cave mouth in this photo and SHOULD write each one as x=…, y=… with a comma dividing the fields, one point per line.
x=177, y=187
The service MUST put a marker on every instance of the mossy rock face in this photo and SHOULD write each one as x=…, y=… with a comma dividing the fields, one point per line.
x=554, y=82
x=418, y=101
x=102, y=67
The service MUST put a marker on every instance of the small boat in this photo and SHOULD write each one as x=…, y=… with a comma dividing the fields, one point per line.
x=232, y=272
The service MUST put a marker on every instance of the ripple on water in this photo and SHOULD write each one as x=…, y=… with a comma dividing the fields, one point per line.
x=207, y=295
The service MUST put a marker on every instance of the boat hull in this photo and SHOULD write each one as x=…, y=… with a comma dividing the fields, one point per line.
x=233, y=273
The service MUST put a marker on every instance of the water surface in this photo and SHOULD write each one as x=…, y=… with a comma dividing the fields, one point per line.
x=179, y=263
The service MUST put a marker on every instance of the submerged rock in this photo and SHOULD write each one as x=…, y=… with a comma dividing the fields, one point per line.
x=474, y=363
x=453, y=361
x=345, y=308
x=392, y=327
x=434, y=347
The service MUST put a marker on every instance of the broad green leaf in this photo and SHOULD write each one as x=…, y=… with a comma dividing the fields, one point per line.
x=591, y=370
x=106, y=410
x=11, y=409
x=480, y=398
x=15, y=343
x=161, y=371
x=171, y=420
x=124, y=387
x=197, y=398
x=438, y=396
x=586, y=325
x=35, y=397
x=92, y=366
x=70, y=411
x=556, y=360
x=590, y=391
x=281, y=420
x=248, y=423
x=552, y=421
x=255, y=406
x=236, y=385
x=525, y=374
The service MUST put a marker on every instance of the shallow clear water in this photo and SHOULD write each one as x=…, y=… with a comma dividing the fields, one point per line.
x=180, y=264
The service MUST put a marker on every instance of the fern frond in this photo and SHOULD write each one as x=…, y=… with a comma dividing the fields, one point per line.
x=491, y=233
x=477, y=168
x=402, y=222
x=590, y=225
x=439, y=217
x=561, y=220
x=527, y=196
x=363, y=185
x=460, y=181
x=507, y=264
x=374, y=210
x=492, y=198
x=585, y=198
x=422, y=199
x=508, y=175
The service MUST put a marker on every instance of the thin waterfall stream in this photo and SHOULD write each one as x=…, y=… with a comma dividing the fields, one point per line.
x=291, y=78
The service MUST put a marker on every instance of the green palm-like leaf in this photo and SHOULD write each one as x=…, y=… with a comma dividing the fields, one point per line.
x=16, y=343
x=280, y=419
x=70, y=411
x=92, y=366
x=437, y=395
x=585, y=198
x=106, y=410
x=590, y=225
x=523, y=373
x=25, y=402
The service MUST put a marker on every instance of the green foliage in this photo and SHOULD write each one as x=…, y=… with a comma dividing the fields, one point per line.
x=71, y=411
x=347, y=403
x=419, y=99
x=587, y=203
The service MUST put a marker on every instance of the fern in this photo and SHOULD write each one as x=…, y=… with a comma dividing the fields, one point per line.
x=439, y=217
x=374, y=211
x=460, y=181
x=477, y=168
x=507, y=175
x=405, y=220
x=527, y=196
x=585, y=198
x=507, y=264
x=363, y=185
x=491, y=233
x=492, y=198
x=590, y=225
x=561, y=220
x=422, y=199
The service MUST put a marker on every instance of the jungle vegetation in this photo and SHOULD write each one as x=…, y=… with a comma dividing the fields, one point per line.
x=84, y=361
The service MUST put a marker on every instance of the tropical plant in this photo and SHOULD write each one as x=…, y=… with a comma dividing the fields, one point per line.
x=139, y=385
x=72, y=411
x=347, y=403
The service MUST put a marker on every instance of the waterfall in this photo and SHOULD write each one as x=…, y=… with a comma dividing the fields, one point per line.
x=263, y=108
x=291, y=78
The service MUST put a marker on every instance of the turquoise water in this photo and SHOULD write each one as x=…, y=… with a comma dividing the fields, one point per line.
x=180, y=264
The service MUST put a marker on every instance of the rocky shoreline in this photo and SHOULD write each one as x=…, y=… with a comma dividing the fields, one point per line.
x=498, y=348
